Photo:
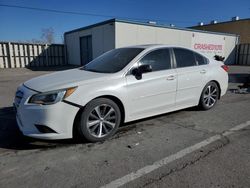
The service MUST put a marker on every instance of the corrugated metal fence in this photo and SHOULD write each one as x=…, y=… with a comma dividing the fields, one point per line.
x=243, y=54
x=14, y=55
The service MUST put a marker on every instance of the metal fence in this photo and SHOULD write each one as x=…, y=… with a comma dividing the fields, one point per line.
x=15, y=55
x=243, y=54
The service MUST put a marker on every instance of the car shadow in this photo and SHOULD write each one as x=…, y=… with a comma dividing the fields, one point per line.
x=11, y=137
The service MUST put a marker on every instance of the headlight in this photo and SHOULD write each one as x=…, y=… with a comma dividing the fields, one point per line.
x=51, y=97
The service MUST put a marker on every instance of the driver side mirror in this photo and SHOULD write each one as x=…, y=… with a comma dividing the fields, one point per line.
x=137, y=72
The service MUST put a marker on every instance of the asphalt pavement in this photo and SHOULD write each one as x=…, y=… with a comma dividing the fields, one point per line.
x=162, y=151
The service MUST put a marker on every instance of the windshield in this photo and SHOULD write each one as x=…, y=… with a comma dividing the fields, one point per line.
x=112, y=61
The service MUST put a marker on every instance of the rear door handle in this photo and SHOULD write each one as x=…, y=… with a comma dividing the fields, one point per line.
x=203, y=71
x=171, y=77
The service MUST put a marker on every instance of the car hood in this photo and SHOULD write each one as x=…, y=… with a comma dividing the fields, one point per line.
x=64, y=79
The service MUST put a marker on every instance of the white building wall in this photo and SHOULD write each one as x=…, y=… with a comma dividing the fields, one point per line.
x=103, y=39
x=72, y=48
x=230, y=52
x=120, y=34
x=127, y=34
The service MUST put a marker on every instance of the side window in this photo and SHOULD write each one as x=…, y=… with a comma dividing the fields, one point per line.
x=184, y=58
x=200, y=59
x=158, y=59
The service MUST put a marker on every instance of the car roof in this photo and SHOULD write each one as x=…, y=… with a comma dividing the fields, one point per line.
x=152, y=46
x=149, y=47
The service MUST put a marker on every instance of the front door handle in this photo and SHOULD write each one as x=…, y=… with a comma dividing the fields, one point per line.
x=203, y=71
x=171, y=77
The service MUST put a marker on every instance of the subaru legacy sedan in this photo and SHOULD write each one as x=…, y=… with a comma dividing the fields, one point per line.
x=122, y=85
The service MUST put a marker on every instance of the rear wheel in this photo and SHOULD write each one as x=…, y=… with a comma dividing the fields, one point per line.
x=100, y=120
x=209, y=96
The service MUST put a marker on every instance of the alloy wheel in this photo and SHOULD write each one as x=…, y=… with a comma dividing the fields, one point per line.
x=101, y=120
x=210, y=96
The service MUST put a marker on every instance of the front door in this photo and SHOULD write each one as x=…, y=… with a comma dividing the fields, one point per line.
x=86, y=49
x=155, y=92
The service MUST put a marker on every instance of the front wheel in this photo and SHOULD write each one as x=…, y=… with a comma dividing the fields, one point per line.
x=100, y=120
x=209, y=96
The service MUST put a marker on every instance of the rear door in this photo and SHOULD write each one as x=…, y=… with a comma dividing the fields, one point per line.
x=155, y=92
x=190, y=76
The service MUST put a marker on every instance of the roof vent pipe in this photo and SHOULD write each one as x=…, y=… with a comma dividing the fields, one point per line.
x=236, y=18
x=214, y=22
x=200, y=23
x=152, y=22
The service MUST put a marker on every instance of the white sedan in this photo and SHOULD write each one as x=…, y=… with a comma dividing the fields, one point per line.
x=119, y=86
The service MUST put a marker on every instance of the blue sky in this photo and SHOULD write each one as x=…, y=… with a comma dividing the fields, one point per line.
x=22, y=25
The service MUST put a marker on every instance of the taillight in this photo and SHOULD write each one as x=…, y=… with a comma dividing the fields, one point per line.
x=226, y=68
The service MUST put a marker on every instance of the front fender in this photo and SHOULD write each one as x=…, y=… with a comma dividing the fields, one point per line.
x=86, y=93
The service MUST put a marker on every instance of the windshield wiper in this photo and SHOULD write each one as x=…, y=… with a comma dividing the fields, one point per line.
x=94, y=70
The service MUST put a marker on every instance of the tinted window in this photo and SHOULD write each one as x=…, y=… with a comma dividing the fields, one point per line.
x=158, y=59
x=113, y=61
x=200, y=59
x=184, y=58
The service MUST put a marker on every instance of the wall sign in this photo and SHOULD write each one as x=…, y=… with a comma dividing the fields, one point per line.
x=210, y=46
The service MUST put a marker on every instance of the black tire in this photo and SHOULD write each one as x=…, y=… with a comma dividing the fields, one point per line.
x=93, y=133
x=204, y=103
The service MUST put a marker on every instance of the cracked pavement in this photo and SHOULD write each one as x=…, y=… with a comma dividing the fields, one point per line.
x=225, y=166
x=26, y=162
